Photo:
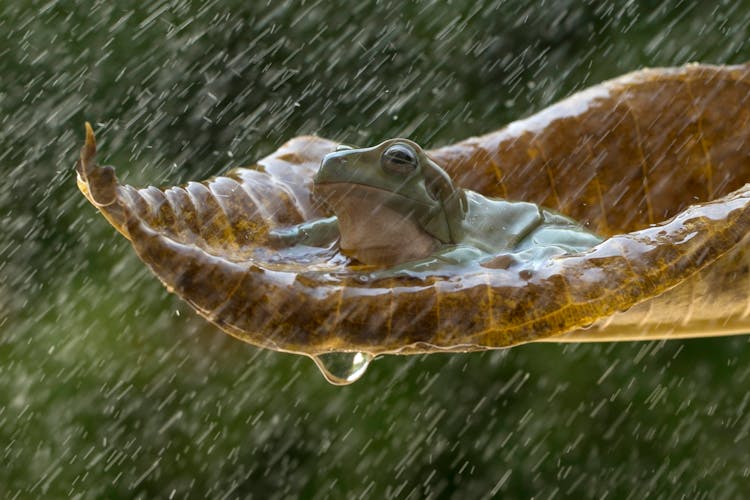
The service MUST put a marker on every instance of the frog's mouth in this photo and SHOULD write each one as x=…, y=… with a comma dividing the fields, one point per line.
x=334, y=194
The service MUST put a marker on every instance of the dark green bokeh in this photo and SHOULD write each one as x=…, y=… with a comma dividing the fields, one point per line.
x=110, y=387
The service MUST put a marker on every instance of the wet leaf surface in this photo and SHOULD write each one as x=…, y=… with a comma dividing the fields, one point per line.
x=653, y=140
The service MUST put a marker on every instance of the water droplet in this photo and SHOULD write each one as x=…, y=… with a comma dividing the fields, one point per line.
x=343, y=368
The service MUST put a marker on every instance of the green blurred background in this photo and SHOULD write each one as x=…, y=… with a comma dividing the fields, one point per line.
x=110, y=387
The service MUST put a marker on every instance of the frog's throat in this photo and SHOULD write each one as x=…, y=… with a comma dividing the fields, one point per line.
x=442, y=223
x=372, y=231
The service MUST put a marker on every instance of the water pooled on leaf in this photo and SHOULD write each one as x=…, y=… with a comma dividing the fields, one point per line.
x=343, y=368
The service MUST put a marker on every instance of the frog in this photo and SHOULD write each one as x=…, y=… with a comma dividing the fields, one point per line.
x=395, y=208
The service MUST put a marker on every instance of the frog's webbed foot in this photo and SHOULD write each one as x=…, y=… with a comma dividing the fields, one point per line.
x=317, y=233
x=100, y=182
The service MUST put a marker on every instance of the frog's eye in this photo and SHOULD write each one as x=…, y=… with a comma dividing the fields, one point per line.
x=399, y=159
x=343, y=147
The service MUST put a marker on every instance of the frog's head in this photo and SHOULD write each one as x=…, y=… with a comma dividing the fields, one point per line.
x=393, y=202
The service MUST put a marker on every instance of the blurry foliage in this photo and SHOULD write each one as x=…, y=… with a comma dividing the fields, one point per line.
x=110, y=387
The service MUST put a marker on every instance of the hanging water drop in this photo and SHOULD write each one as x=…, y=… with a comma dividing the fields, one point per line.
x=343, y=368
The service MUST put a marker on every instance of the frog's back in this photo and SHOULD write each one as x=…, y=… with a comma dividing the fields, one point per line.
x=496, y=225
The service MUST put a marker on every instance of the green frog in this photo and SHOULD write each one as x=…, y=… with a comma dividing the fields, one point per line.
x=394, y=206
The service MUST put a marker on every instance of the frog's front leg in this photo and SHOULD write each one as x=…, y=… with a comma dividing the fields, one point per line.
x=316, y=233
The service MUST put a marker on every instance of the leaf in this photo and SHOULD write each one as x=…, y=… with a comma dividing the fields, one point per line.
x=630, y=158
